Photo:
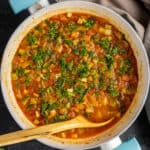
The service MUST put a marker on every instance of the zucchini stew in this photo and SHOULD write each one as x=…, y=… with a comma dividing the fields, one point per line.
x=74, y=64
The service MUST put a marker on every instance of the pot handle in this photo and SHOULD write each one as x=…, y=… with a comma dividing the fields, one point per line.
x=32, y=5
x=19, y=5
x=116, y=144
x=131, y=144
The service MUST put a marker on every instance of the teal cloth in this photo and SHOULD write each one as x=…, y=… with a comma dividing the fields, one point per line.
x=132, y=144
x=19, y=5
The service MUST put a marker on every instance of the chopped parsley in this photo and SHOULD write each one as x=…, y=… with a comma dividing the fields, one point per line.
x=71, y=27
x=76, y=51
x=47, y=106
x=45, y=76
x=125, y=67
x=113, y=92
x=104, y=43
x=112, y=89
x=31, y=39
x=96, y=37
x=43, y=92
x=69, y=42
x=84, y=51
x=109, y=61
x=39, y=29
x=40, y=57
x=79, y=89
x=83, y=70
x=60, y=82
x=102, y=81
x=20, y=71
x=52, y=32
x=89, y=23
x=63, y=64
x=82, y=94
x=113, y=51
x=59, y=118
x=27, y=79
x=92, y=54
x=26, y=98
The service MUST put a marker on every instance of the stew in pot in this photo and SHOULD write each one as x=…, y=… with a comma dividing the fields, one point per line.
x=73, y=64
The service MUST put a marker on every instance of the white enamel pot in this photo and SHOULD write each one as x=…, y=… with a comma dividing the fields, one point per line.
x=139, y=52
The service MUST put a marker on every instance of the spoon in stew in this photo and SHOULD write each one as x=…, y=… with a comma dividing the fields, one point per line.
x=45, y=130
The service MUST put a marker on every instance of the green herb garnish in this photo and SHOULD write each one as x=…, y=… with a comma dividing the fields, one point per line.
x=40, y=57
x=125, y=67
x=80, y=99
x=20, y=71
x=83, y=51
x=53, y=31
x=109, y=61
x=26, y=98
x=59, y=118
x=31, y=39
x=113, y=51
x=27, y=79
x=47, y=106
x=42, y=92
x=71, y=27
x=89, y=23
x=104, y=43
x=69, y=42
x=113, y=92
x=83, y=70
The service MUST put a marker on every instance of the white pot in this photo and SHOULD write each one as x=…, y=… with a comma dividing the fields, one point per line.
x=136, y=44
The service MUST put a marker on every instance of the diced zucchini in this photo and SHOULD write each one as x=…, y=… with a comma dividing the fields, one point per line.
x=14, y=76
x=33, y=101
x=69, y=14
x=107, y=32
x=81, y=20
x=108, y=26
x=22, y=51
x=84, y=79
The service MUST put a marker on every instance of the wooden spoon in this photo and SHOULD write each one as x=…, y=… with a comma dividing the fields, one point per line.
x=41, y=131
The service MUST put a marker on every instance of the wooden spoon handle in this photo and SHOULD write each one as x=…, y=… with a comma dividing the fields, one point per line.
x=17, y=137
x=33, y=133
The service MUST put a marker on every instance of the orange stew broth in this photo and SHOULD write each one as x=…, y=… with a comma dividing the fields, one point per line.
x=73, y=64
